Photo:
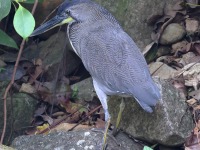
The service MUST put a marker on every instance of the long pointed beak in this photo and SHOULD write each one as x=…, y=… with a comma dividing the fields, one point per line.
x=54, y=22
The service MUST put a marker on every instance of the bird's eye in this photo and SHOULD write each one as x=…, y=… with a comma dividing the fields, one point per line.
x=67, y=12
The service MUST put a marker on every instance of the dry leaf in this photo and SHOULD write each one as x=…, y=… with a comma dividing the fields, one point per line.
x=191, y=101
x=196, y=107
x=42, y=128
x=68, y=126
x=27, y=88
x=100, y=124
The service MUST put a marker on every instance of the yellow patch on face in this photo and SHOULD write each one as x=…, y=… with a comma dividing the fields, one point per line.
x=69, y=19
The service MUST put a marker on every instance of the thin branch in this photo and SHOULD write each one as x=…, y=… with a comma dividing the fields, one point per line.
x=13, y=80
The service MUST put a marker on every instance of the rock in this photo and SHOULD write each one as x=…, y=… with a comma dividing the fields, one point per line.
x=192, y=25
x=51, y=53
x=19, y=113
x=169, y=124
x=132, y=15
x=73, y=140
x=85, y=89
x=163, y=50
x=172, y=33
x=6, y=73
x=162, y=70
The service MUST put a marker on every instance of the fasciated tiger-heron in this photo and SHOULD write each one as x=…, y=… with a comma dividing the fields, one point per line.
x=112, y=58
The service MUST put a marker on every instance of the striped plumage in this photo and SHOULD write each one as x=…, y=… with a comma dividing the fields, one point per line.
x=109, y=54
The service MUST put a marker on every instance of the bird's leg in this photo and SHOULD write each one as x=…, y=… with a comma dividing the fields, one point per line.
x=119, y=116
x=107, y=119
x=103, y=98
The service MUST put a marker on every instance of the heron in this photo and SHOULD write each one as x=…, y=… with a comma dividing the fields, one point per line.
x=109, y=54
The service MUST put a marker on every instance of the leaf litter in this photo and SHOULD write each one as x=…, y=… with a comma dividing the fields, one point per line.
x=59, y=108
x=184, y=57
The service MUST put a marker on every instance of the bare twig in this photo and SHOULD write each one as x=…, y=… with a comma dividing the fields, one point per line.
x=13, y=79
x=60, y=121
x=89, y=114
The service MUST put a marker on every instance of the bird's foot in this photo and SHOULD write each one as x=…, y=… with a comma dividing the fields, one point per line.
x=105, y=134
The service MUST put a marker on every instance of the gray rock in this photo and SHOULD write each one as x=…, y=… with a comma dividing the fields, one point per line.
x=133, y=16
x=162, y=70
x=51, y=53
x=19, y=113
x=169, y=124
x=73, y=140
x=172, y=33
x=85, y=89
x=7, y=71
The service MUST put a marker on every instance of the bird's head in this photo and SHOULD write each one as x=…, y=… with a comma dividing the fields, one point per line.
x=69, y=11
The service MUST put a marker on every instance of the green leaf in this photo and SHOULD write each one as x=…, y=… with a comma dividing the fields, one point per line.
x=30, y=1
x=75, y=92
x=147, y=148
x=5, y=6
x=7, y=40
x=24, y=22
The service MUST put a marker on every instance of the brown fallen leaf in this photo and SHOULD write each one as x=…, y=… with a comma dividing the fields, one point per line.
x=100, y=123
x=196, y=108
x=68, y=126
x=191, y=101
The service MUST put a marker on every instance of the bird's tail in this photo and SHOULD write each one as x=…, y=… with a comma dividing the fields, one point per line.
x=147, y=95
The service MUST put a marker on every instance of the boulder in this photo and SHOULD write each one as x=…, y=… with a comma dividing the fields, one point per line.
x=169, y=124
x=74, y=140
x=133, y=16
x=20, y=107
x=51, y=53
